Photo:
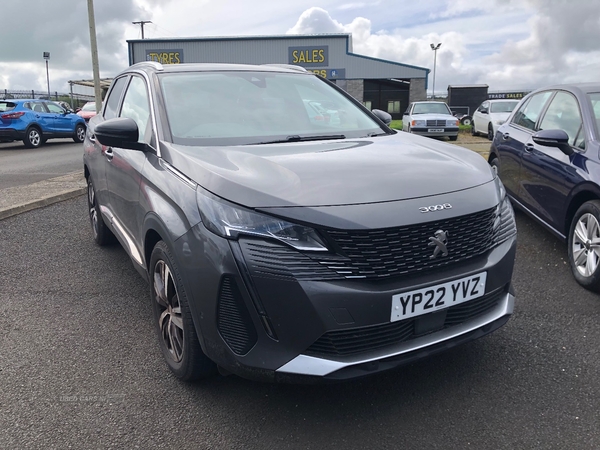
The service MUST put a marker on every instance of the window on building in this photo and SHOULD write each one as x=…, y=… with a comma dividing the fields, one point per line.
x=393, y=106
x=367, y=104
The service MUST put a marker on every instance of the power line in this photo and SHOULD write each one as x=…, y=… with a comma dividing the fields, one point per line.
x=142, y=23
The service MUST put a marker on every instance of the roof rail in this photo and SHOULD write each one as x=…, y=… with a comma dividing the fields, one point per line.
x=155, y=64
x=288, y=66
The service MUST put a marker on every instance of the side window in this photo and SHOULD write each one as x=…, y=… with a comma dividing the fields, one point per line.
x=563, y=114
x=528, y=113
x=136, y=107
x=54, y=108
x=484, y=107
x=112, y=102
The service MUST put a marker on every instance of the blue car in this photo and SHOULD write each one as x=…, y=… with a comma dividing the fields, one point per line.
x=36, y=121
x=548, y=156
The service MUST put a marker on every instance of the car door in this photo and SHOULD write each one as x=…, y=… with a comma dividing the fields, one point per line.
x=43, y=118
x=547, y=174
x=62, y=125
x=124, y=167
x=511, y=141
x=97, y=159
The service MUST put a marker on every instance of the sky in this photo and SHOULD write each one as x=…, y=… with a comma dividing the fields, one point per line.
x=507, y=44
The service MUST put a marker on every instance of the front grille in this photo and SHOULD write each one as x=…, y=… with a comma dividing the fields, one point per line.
x=383, y=253
x=404, y=250
x=358, y=340
x=436, y=123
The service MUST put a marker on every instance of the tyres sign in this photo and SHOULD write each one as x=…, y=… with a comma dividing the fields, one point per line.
x=168, y=56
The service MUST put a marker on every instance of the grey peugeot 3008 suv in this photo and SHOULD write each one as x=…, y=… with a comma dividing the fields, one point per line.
x=280, y=245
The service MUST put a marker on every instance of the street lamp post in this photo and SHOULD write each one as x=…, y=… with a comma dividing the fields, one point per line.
x=47, y=57
x=435, y=49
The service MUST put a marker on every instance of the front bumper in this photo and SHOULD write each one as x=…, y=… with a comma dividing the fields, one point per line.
x=262, y=326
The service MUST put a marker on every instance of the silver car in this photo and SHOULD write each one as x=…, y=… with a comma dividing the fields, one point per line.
x=433, y=119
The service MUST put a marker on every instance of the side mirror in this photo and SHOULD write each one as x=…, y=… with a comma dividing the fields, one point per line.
x=383, y=116
x=121, y=132
x=554, y=138
x=484, y=111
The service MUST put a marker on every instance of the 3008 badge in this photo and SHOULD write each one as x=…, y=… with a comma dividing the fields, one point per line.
x=426, y=209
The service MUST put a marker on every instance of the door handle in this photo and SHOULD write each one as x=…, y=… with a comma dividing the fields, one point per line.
x=529, y=147
x=506, y=136
x=108, y=153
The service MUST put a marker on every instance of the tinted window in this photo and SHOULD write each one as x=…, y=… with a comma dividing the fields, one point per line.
x=528, y=113
x=54, y=108
x=136, y=107
x=7, y=106
x=563, y=114
x=38, y=107
x=112, y=103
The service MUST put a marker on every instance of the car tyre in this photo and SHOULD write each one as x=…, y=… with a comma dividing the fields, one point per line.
x=473, y=132
x=79, y=135
x=102, y=234
x=584, y=245
x=467, y=120
x=33, y=138
x=177, y=335
x=490, y=134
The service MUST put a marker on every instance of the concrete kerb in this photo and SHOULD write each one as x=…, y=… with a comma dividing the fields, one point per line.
x=19, y=199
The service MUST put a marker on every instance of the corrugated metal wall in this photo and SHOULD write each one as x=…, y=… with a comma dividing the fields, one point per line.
x=266, y=49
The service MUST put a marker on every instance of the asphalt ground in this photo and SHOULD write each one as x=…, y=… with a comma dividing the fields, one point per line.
x=80, y=365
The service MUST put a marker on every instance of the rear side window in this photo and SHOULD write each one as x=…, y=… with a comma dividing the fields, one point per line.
x=530, y=111
x=112, y=102
x=7, y=106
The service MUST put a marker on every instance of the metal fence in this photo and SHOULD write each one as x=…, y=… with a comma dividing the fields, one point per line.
x=74, y=99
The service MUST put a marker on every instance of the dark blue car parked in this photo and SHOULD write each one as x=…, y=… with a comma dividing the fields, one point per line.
x=547, y=154
x=36, y=121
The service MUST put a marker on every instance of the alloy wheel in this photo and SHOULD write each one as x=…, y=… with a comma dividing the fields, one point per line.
x=34, y=137
x=170, y=321
x=92, y=208
x=586, y=245
x=81, y=134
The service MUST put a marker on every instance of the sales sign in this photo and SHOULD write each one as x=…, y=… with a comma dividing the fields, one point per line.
x=309, y=56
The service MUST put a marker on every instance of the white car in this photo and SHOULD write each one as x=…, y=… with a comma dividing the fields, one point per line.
x=490, y=115
x=433, y=119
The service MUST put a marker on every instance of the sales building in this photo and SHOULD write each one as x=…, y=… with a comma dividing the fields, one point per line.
x=378, y=83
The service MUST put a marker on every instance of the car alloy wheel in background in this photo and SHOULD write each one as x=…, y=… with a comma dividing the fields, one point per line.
x=79, y=134
x=584, y=245
x=33, y=139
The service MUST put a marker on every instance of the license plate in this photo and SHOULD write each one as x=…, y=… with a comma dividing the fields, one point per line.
x=432, y=298
x=436, y=130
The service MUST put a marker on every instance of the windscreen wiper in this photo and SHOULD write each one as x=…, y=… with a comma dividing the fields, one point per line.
x=298, y=138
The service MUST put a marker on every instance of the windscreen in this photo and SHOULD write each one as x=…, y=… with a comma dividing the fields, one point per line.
x=238, y=108
x=503, y=107
x=89, y=107
x=431, y=108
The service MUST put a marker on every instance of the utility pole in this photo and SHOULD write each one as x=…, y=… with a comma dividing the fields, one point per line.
x=94, y=45
x=47, y=57
x=142, y=23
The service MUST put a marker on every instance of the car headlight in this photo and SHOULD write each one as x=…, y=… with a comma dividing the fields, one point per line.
x=504, y=222
x=230, y=221
x=418, y=123
x=452, y=123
